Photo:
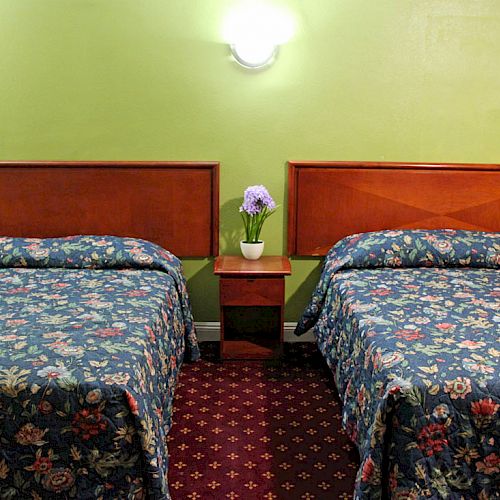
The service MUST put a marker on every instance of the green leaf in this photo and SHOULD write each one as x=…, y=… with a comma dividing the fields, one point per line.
x=68, y=383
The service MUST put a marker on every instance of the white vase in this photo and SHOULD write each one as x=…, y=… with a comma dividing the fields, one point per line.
x=252, y=251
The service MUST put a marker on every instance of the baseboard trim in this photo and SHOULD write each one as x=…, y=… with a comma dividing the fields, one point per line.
x=209, y=331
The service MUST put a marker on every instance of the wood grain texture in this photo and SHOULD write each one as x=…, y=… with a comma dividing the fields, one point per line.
x=271, y=265
x=174, y=204
x=330, y=200
x=255, y=292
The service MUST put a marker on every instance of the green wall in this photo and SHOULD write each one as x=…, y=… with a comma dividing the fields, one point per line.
x=399, y=80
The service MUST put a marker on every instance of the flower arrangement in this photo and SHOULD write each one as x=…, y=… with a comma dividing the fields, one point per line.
x=257, y=206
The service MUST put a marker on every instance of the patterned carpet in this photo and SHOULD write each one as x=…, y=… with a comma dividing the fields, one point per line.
x=259, y=430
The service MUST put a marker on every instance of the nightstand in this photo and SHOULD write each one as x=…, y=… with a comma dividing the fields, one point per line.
x=252, y=303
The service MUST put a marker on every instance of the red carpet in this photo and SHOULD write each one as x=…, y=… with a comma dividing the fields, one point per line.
x=259, y=430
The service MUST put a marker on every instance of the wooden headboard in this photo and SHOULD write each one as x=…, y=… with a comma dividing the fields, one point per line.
x=174, y=204
x=329, y=200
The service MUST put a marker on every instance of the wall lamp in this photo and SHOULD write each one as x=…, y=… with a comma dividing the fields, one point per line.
x=254, y=55
x=255, y=31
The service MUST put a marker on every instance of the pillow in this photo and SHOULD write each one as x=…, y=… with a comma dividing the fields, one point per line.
x=402, y=248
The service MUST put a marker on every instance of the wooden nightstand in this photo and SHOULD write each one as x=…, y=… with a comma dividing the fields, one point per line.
x=252, y=303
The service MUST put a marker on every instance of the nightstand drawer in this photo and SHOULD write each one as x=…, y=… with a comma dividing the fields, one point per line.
x=248, y=291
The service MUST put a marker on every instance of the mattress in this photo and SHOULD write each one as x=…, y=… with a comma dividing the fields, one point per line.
x=93, y=331
x=409, y=323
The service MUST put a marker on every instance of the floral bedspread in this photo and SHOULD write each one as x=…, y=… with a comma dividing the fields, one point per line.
x=93, y=331
x=409, y=322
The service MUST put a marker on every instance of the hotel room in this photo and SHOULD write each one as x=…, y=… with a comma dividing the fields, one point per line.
x=249, y=249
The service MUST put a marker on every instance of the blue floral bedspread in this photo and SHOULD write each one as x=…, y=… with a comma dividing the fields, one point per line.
x=409, y=322
x=93, y=331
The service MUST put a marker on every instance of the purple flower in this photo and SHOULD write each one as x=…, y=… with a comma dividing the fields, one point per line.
x=256, y=208
x=255, y=199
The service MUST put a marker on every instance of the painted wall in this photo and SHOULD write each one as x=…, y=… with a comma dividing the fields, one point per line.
x=395, y=80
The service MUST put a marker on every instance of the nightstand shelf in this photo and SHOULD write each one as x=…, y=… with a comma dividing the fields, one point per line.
x=252, y=302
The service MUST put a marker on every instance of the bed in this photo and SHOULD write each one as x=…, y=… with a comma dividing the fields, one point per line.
x=94, y=328
x=408, y=321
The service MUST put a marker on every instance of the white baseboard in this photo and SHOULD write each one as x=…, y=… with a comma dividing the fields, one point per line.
x=207, y=331
x=210, y=331
x=291, y=337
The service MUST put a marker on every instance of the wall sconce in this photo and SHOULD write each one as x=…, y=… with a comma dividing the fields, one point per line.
x=255, y=31
x=254, y=55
